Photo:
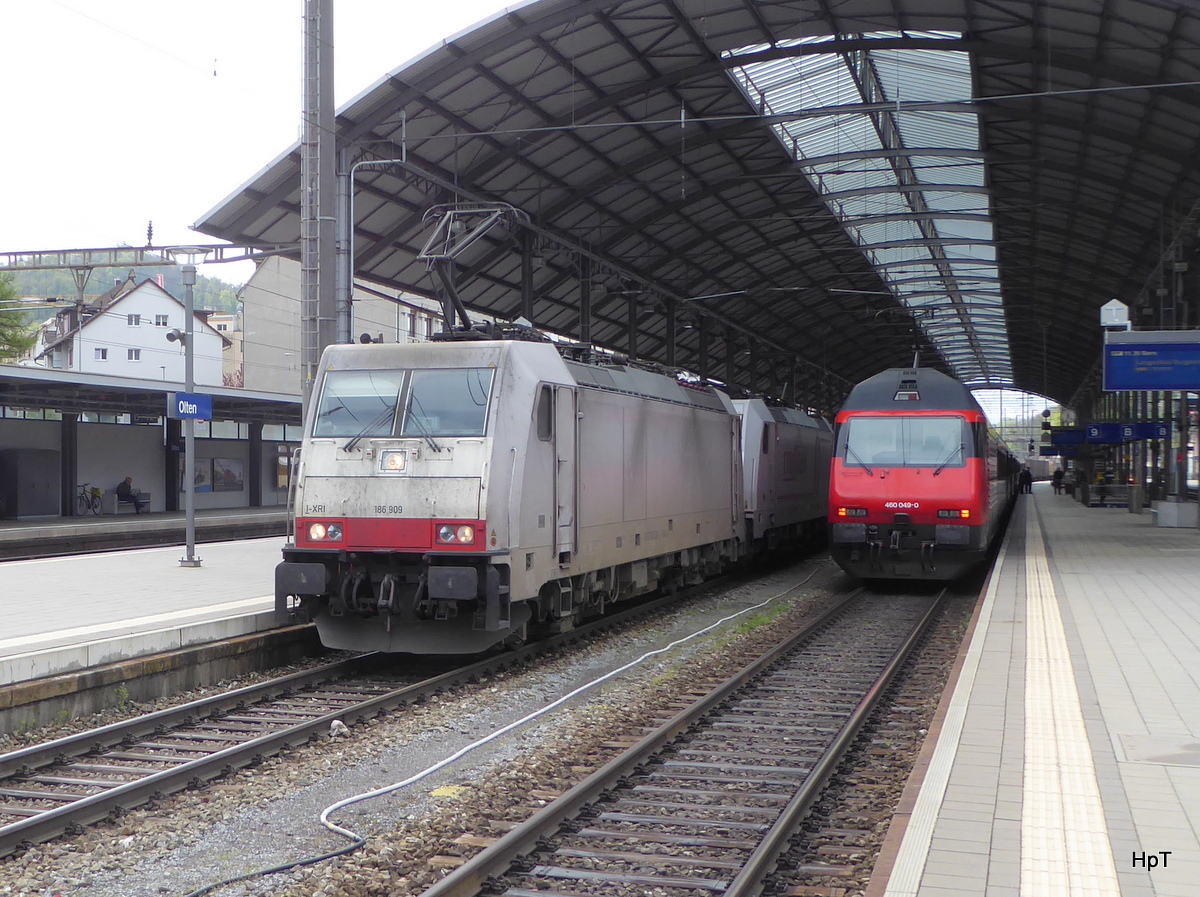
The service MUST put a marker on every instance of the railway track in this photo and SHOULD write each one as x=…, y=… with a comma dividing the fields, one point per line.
x=708, y=801
x=61, y=786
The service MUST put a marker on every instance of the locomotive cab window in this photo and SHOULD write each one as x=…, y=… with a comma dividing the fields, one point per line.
x=363, y=404
x=447, y=402
x=545, y=414
x=894, y=441
x=981, y=439
x=358, y=402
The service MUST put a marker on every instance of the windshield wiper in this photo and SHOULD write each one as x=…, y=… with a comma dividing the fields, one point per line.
x=960, y=448
x=387, y=412
x=850, y=451
x=416, y=419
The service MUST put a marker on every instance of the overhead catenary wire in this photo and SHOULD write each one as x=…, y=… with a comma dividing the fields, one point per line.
x=821, y=112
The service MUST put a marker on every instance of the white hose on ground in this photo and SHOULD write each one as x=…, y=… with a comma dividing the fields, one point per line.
x=462, y=752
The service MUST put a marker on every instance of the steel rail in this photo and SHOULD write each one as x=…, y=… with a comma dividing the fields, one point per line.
x=471, y=877
x=748, y=882
x=106, y=737
x=73, y=816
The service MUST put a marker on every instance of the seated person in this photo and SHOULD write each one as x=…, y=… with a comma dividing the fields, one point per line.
x=125, y=492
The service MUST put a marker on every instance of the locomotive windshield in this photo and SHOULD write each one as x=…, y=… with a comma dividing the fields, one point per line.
x=446, y=402
x=354, y=402
x=893, y=441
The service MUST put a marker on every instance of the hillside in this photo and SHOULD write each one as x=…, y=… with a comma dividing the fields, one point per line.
x=208, y=292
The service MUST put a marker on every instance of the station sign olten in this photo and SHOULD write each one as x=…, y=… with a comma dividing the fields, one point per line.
x=189, y=405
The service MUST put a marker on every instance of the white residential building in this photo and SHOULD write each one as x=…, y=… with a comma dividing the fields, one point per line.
x=125, y=334
x=229, y=325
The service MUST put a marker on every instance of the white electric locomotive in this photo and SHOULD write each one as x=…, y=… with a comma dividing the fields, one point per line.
x=450, y=494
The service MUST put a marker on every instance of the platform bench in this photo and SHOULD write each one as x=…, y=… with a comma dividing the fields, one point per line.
x=1109, y=495
x=109, y=504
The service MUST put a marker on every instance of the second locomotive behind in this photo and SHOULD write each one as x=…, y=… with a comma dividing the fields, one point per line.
x=452, y=495
x=919, y=483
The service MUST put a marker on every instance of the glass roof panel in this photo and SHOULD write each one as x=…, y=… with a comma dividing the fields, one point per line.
x=944, y=130
x=946, y=201
x=933, y=246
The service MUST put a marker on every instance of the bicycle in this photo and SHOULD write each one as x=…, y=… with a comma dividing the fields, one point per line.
x=89, y=499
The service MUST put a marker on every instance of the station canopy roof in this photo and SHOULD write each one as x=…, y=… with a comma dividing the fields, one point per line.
x=833, y=182
x=38, y=388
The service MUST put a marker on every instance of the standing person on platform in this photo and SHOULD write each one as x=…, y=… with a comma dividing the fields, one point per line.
x=125, y=492
x=1057, y=481
x=1026, y=480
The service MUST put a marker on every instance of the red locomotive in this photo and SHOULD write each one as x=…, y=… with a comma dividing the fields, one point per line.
x=919, y=482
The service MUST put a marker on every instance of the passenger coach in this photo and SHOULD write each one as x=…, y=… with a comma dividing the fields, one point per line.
x=919, y=482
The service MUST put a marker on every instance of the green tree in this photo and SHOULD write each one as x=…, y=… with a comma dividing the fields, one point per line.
x=210, y=292
x=15, y=336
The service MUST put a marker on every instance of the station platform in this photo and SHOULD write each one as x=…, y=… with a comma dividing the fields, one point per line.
x=68, y=614
x=73, y=535
x=1065, y=761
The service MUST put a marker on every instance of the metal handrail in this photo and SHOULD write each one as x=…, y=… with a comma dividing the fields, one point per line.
x=293, y=478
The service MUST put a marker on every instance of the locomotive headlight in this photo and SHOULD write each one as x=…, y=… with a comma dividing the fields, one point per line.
x=393, y=460
x=852, y=512
x=456, y=534
x=325, y=532
x=955, y=513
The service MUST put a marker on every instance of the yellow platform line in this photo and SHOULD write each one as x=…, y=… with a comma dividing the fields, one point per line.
x=1065, y=849
x=905, y=879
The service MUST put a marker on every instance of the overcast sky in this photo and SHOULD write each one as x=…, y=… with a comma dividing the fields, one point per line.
x=129, y=111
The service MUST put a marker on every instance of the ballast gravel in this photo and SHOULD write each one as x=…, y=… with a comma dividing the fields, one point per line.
x=269, y=815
